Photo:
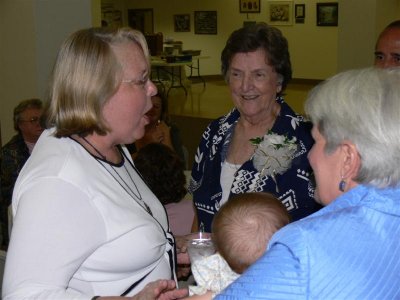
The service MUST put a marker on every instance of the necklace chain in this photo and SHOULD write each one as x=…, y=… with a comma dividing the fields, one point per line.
x=94, y=148
x=135, y=196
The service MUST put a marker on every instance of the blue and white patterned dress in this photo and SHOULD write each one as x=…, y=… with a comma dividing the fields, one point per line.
x=296, y=190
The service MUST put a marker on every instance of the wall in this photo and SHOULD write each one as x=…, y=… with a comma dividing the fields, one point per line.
x=31, y=32
x=356, y=36
x=313, y=49
x=361, y=23
x=18, y=66
x=76, y=15
x=316, y=52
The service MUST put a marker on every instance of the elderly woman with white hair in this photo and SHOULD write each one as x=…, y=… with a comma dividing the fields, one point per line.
x=349, y=249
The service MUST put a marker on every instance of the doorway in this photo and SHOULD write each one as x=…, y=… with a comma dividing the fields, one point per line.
x=141, y=19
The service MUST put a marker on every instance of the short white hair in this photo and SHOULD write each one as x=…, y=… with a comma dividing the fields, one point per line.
x=362, y=106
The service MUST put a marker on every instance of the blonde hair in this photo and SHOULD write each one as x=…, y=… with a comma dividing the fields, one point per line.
x=85, y=76
x=243, y=226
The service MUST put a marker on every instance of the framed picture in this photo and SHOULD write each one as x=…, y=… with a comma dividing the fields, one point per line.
x=327, y=14
x=182, y=23
x=299, y=13
x=280, y=12
x=249, y=6
x=205, y=22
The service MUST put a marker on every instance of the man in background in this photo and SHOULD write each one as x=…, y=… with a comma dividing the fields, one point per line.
x=387, y=49
x=14, y=154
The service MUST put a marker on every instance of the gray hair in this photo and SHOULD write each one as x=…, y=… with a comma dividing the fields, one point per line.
x=362, y=106
x=22, y=106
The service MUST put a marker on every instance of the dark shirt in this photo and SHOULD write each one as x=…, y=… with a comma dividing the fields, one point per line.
x=296, y=189
x=13, y=156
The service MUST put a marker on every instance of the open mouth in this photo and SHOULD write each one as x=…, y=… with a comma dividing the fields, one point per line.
x=249, y=97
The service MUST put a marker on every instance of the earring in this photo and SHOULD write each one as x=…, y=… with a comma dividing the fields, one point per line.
x=342, y=185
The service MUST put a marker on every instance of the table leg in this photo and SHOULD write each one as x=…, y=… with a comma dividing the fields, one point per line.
x=181, y=85
x=197, y=67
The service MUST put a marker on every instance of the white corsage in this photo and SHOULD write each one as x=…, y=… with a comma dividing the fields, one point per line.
x=274, y=154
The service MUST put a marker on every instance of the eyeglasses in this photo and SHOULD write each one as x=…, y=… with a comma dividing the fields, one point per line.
x=139, y=82
x=34, y=120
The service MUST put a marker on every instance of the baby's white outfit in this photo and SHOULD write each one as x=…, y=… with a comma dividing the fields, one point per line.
x=212, y=273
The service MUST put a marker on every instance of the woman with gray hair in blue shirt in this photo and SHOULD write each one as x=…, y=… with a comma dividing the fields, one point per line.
x=350, y=248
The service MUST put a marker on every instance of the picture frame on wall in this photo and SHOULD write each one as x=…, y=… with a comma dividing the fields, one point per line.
x=327, y=14
x=280, y=12
x=205, y=22
x=299, y=13
x=249, y=6
x=182, y=23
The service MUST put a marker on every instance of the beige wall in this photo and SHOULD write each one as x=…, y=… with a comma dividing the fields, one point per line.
x=18, y=67
x=31, y=32
x=361, y=23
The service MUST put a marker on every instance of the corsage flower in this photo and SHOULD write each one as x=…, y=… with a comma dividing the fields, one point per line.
x=273, y=154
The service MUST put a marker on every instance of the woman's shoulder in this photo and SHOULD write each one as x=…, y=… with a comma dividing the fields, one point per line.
x=315, y=226
x=58, y=158
x=231, y=117
x=222, y=124
x=292, y=123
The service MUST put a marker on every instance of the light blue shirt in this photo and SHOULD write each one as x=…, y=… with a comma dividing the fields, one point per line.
x=347, y=250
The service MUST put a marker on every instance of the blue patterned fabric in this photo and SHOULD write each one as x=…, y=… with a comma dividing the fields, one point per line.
x=295, y=188
x=347, y=250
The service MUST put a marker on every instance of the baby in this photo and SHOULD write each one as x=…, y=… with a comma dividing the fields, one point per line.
x=240, y=231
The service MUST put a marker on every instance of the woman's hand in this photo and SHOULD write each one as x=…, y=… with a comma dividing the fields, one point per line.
x=182, y=257
x=164, y=131
x=159, y=133
x=161, y=290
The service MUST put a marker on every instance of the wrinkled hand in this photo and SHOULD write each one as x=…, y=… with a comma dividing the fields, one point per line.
x=161, y=290
x=155, y=135
x=162, y=126
x=158, y=133
x=182, y=257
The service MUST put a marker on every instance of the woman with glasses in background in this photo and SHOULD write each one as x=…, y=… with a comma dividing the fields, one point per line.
x=14, y=154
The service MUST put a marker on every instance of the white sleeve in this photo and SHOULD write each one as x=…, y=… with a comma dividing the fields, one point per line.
x=55, y=229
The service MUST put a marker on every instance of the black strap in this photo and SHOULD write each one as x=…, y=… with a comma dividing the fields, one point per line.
x=171, y=253
x=135, y=284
